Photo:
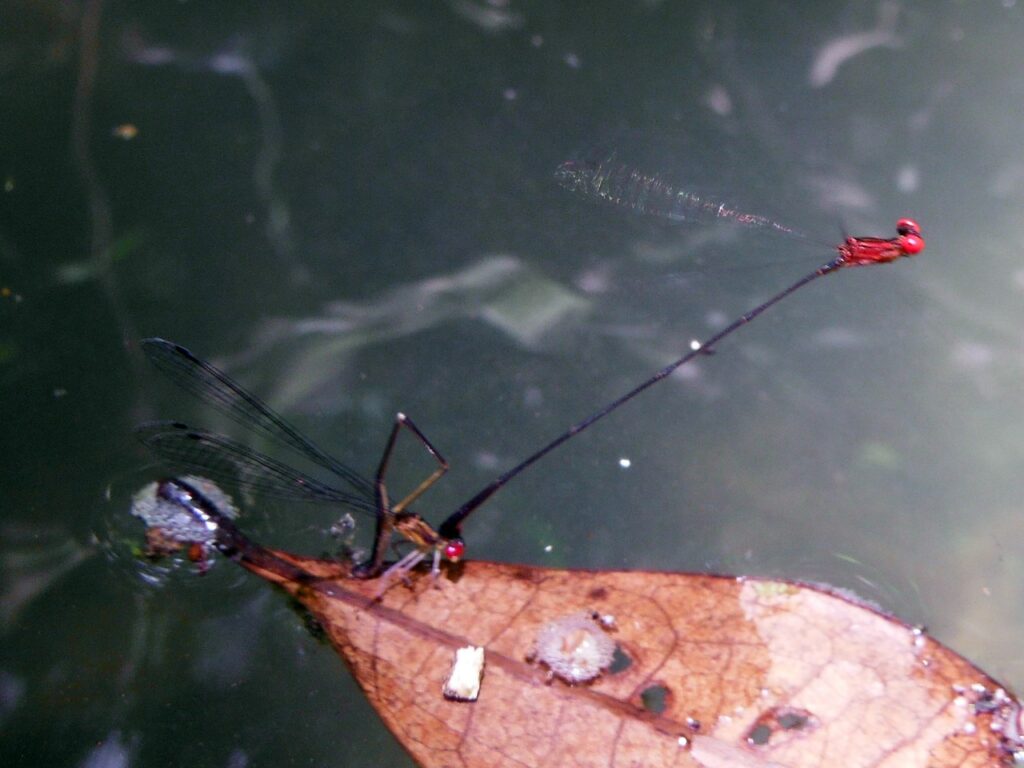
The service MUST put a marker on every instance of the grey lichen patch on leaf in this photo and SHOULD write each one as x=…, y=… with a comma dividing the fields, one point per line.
x=576, y=647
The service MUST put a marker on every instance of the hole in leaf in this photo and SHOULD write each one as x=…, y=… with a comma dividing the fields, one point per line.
x=655, y=699
x=620, y=661
x=760, y=735
x=792, y=720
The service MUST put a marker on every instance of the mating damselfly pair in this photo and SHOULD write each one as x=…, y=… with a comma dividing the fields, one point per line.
x=224, y=459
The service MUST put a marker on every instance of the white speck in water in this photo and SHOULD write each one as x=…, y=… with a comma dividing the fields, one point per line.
x=593, y=281
x=625, y=463
x=343, y=526
x=486, y=460
x=972, y=356
x=908, y=179
x=695, y=344
x=572, y=60
x=510, y=94
x=533, y=397
x=719, y=102
x=683, y=741
x=548, y=548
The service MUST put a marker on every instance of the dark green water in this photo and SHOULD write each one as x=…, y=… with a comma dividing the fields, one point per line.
x=351, y=207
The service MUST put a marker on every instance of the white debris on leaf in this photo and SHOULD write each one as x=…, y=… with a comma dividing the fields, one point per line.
x=576, y=648
x=463, y=683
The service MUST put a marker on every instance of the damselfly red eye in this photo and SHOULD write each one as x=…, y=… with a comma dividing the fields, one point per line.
x=908, y=227
x=454, y=550
x=912, y=244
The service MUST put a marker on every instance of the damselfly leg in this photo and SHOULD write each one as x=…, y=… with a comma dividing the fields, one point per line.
x=389, y=517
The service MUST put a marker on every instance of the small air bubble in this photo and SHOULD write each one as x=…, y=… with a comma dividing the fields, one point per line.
x=548, y=547
x=343, y=526
x=695, y=345
x=625, y=463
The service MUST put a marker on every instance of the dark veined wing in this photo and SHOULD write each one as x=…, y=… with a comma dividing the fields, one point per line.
x=217, y=389
x=222, y=459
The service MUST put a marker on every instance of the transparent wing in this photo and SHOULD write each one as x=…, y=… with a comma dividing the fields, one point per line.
x=630, y=188
x=222, y=459
x=217, y=389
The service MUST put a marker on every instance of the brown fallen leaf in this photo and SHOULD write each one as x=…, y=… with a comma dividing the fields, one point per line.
x=711, y=671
